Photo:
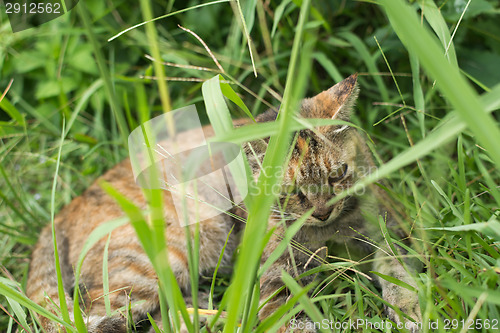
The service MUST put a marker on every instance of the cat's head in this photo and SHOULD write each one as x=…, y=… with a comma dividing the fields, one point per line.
x=324, y=161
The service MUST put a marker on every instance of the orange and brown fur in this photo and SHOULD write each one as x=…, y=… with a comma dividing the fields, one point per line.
x=323, y=161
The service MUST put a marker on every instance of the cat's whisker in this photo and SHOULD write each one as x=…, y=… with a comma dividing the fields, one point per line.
x=281, y=218
x=195, y=198
x=163, y=148
x=171, y=189
x=285, y=216
x=156, y=151
x=280, y=212
x=304, y=250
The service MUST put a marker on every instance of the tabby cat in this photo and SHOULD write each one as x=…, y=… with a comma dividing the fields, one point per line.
x=323, y=161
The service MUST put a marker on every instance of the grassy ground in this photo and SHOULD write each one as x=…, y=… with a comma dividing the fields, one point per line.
x=425, y=113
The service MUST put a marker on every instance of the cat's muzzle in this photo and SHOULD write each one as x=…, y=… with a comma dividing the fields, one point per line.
x=327, y=215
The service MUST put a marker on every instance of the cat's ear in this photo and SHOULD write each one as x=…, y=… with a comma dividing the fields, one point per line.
x=334, y=103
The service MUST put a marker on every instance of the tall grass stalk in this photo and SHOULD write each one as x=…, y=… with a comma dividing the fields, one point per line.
x=105, y=75
x=248, y=260
x=450, y=82
x=60, y=287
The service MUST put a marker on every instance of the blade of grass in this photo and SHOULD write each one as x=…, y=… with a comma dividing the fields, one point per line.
x=317, y=15
x=278, y=14
x=370, y=63
x=105, y=75
x=34, y=113
x=309, y=307
x=445, y=132
x=448, y=201
x=418, y=41
x=26, y=302
x=490, y=228
x=105, y=278
x=493, y=189
x=153, y=243
x=261, y=130
x=395, y=281
x=329, y=66
x=20, y=314
x=268, y=44
x=233, y=97
x=60, y=286
x=87, y=94
x=287, y=237
x=135, y=216
x=418, y=94
x=152, y=36
x=247, y=263
x=251, y=310
x=470, y=294
x=282, y=311
x=193, y=248
x=219, y=261
x=96, y=235
x=167, y=279
x=165, y=16
x=390, y=70
x=153, y=324
x=250, y=10
x=12, y=111
x=10, y=203
x=220, y=119
x=437, y=22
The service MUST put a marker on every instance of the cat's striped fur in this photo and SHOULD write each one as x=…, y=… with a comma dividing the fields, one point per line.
x=323, y=162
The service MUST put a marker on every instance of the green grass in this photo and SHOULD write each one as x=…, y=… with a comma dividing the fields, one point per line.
x=429, y=115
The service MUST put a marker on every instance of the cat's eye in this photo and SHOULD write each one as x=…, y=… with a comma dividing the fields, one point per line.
x=338, y=174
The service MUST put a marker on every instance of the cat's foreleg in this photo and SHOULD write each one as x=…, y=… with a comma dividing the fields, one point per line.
x=402, y=296
x=270, y=284
x=274, y=294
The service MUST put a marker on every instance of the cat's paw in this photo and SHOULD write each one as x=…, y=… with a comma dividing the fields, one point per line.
x=412, y=309
x=98, y=324
x=407, y=302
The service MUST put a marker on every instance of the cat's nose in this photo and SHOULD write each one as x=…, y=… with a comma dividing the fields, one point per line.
x=323, y=214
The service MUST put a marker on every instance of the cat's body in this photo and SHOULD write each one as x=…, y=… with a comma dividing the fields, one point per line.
x=128, y=266
x=323, y=162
